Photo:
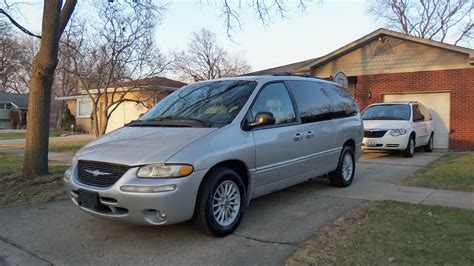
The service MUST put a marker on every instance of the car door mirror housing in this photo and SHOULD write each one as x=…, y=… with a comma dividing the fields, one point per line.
x=261, y=119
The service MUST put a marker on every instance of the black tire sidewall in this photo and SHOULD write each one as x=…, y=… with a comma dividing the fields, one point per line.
x=407, y=152
x=429, y=147
x=336, y=177
x=351, y=153
x=215, y=180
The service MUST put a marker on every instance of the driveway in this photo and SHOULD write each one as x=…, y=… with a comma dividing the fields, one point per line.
x=59, y=233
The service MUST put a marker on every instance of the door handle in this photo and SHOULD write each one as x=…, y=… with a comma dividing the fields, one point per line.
x=309, y=134
x=298, y=136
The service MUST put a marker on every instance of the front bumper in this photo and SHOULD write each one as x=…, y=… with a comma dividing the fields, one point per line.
x=142, y=208
x=387, y=142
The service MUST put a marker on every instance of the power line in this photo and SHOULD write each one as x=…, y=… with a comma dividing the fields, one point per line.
x=23, y=29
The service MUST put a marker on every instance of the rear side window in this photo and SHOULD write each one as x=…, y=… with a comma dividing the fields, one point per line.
x=425, y=112
x=312, y=102
x=342, y=102
x=417, y=115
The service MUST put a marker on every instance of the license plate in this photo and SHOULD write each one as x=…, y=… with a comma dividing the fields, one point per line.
x=372, y=144
x=88, y=199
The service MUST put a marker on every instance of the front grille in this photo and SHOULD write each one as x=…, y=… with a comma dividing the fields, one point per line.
x=100, y=174
x=374, y=134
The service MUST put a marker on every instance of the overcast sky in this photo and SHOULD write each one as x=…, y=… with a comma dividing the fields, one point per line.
x=322, y=28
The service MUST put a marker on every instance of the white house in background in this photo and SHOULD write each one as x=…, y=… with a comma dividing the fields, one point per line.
x=148, y=92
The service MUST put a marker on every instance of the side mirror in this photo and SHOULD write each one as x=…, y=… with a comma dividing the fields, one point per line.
x=261, y=119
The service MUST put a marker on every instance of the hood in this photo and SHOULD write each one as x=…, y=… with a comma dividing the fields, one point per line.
x=385, y=124
x=141, y=145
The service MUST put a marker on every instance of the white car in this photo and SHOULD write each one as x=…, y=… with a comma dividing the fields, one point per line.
x=398, y=126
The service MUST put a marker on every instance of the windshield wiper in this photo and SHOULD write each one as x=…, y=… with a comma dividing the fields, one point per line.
x=173, y=117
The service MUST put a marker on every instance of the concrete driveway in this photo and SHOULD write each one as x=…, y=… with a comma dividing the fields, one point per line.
x=273, y=226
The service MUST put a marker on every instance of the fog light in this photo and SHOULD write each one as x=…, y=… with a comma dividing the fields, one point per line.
x=161, y=216
x=147, y=189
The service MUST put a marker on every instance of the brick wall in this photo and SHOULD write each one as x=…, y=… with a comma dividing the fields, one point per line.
x=459, y=82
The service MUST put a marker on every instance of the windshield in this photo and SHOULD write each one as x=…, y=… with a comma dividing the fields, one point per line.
x=207, y=104
x=387, y=112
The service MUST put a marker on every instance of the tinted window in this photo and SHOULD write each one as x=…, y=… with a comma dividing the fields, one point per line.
x=274, y=98
x=387, y=112
x=417, y=115
x=312, y=101
x=341, y=100
x=425, y=112
x=216, y=102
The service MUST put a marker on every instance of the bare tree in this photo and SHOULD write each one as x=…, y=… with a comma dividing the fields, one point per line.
x=205, y=59
x=55, y=18
x=441, y=20
x=264, y=10
x=65, y=83
x=15, y=60
x=117, y=55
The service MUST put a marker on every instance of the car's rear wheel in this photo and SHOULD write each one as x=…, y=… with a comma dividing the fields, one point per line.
x=344, y=173
x=429, y=146
x=410, y=149
x=220, y=203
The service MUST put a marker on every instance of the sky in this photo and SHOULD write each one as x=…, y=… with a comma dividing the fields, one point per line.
x=323, y=27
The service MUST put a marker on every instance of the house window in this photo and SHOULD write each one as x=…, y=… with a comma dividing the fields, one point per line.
x=5, y=106
x=84, y=107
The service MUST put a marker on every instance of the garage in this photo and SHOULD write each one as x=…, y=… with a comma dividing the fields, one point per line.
x=439, y=107
x=125, y=112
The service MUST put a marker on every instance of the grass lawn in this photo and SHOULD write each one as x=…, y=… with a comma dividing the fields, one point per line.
x=15, y=190
x=69, y=147
x=22, y=135
x=389, y=232
x=63, y=146
x=454, y=171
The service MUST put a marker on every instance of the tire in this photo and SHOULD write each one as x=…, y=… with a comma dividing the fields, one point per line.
x=429, y=146
x=344, y=174
x=410, y=149
x=212, y=191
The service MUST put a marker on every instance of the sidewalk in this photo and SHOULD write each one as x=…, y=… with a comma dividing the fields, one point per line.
x=388, y=171
x=56, y=139
x=53, y=156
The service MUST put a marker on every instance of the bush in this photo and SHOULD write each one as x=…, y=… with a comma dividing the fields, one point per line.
x=68, y=119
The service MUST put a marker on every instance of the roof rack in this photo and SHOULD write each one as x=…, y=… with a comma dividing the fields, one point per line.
x=289, y=74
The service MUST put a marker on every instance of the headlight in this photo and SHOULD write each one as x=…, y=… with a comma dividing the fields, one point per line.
x=74, y=161
x=68, y=174
x=164, y=170
x=398, y=132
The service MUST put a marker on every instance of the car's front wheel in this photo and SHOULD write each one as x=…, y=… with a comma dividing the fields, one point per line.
x=220, y=203
x=410, y=149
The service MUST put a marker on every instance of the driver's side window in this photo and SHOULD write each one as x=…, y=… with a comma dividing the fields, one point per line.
x=274, y=98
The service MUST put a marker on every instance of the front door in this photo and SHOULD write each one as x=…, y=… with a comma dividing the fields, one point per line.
x=421, y=126
x=278, y=147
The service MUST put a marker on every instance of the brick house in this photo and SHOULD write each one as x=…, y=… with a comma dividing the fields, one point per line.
x=140, y=96
x=390, y=66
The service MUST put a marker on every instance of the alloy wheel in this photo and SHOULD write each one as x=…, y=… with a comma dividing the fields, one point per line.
x=226, y=203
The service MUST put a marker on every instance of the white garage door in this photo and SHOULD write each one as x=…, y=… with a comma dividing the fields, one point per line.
x=125, y=112
x=439, y=106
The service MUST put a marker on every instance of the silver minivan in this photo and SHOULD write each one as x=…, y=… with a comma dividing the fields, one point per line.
x=206, y=150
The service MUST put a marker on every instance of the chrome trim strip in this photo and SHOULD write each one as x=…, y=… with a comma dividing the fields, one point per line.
x=279, y=164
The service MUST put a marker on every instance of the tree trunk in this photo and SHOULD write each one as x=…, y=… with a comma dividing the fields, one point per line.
x=39, y=99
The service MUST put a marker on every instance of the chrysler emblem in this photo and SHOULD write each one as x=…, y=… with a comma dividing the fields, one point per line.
x=97, y=173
